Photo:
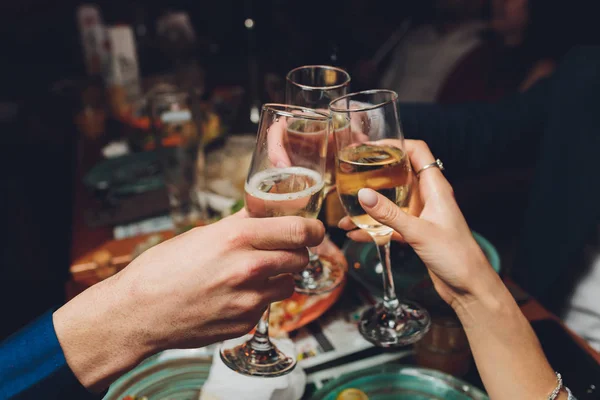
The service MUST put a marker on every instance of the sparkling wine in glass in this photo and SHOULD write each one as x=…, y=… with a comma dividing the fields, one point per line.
x=315, y=86
x=370, y=154
x=286, y=178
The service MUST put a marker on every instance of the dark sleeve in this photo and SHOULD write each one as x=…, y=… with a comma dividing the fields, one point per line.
x=33, y=366
x=471, y=138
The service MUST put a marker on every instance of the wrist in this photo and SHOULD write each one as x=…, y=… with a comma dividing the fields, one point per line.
x=488, y=297
x=98, y=335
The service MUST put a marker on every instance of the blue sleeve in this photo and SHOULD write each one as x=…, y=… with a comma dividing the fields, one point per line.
x=32, y=365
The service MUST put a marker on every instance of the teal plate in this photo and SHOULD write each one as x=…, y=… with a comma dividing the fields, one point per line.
x=407, y=268
x=399, y=382
x=125, y=175
x=172, y=375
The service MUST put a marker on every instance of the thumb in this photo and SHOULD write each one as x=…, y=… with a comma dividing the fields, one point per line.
x=383, y=210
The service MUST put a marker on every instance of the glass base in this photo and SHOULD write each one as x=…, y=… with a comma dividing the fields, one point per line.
x=321, y=277
x=394, y=328
x=262, y=363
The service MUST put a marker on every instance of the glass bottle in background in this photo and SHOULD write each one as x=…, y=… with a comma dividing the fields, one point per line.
x=178, y=142
x=178, y=45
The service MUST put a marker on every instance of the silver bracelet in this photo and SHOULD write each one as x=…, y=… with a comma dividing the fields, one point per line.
x=571, y=397
x=558, y=388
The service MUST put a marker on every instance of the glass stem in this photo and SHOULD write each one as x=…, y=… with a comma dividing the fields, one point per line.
x=313, y=270
x=260, y=341
x=312, y=257
x=390, y=301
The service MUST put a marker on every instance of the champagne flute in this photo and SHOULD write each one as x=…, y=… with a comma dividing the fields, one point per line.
x=367, y=158
x=315, y=86
x=286, y=177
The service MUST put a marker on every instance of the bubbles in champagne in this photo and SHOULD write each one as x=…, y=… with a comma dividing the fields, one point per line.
x=284, y=191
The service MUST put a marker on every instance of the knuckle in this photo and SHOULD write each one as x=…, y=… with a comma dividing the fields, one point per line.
x=253, y=267
x=251, y=304
x=389, y=212
x=297, y=231
x=239, y=236
x=244, y=271
x=421, y=145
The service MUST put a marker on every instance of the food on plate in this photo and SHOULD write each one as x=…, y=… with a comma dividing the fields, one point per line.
x=284, y=313
x=352, y=394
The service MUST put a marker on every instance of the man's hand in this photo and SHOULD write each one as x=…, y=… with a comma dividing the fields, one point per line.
x=209, y=284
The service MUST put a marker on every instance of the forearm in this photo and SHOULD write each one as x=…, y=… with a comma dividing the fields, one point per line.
x=508, y=355
x=99, y=337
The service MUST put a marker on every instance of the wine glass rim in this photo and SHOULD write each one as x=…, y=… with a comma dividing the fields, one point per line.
x=281, y=109
x=394, y=97
x=346, y=82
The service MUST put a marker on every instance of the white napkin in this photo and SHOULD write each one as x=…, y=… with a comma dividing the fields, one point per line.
x=225, y=384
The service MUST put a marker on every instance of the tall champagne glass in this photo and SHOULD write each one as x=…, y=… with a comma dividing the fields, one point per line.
x=286, y=177
x=315, y=86
x=370, y=154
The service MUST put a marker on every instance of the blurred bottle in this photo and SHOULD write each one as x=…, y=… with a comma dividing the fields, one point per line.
x=91, y=117
x=177, y=43
x=123, y=76
x=93, y=39
x=180, y=150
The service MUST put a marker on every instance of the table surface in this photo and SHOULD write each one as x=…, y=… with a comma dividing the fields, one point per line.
x=86, y=241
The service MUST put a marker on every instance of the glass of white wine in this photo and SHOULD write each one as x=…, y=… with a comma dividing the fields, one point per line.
x=286, y=178
x=315, y=86
x=370, y=154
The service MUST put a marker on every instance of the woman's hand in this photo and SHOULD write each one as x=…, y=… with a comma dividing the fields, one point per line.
x=509, y=357
x=439, y=235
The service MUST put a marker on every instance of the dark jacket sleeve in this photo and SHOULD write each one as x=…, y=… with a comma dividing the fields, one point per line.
x=33, y=366
x=554, y=125
x=473, y=138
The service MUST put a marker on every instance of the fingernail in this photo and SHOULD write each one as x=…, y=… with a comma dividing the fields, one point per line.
x=367, y=197
x=280, y=164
